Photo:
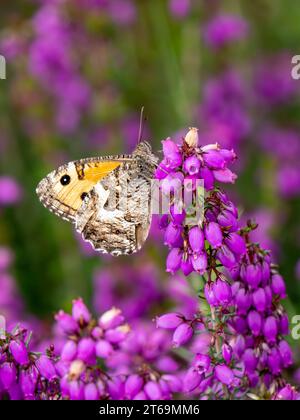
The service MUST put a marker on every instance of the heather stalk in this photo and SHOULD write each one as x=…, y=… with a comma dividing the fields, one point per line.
x=246, y=322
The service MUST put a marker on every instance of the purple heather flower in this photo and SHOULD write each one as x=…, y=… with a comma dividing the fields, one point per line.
x=10, y=191
x=192, y=165
x=66, y=322
x=274, y=361
x=173, y=236
x=174, y=260
x=192, y=380
x=222, y=292
x=162, y=170
x=208, y=178
x=225, y=29
x=76, y=390
x=111, y=318
x=270, y=329
x=226, y=257
x=228, y=220
x=28, y=383
x=209, y=294
x=180, y=8
x=153, y=390
x=285, y=353
x=80, y=312
x=288, y=393
x=91, y=392
x=187, y=266
x=213, y=234
x=196, y=239
x=278, y=285
x=284, y=324
x=172, y=183
x=117, y=335
x=236, y=243
x=172, y=154
x=133, y=385
x=86, y=350
x=8, y=375
x=69, y=351
x=259, y=300
x=202, y=362
x=225, y=175
x=214, y=159
x=199, y=262
x=227, y=353
x=224, y=374
x=169, y=321
x=251, y=274
x=104, y=349
x=255, y=322
x=46, y=368
x=19, y=352
x=178, y=214
x=250, y=360
x=183, y=333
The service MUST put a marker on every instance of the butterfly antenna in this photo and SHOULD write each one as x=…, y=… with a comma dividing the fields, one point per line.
x=142, y=125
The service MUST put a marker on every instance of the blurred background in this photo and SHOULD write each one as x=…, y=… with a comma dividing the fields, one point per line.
x=78, y=73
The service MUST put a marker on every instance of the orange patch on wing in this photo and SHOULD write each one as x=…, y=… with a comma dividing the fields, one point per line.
x=95, y=171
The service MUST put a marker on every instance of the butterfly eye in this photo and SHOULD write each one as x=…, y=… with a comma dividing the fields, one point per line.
x=83, y=195
x=65, y=180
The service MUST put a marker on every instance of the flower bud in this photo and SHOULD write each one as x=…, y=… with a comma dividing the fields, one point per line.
x=111, y=318
x=8, y=375
x=214, y=234
x=66, y=323
x=270, y=329
x=225, y=175
x=153, y=390
x=80, y=312
x=236, y=243
x=174, y=260
x=46, y=368
x=133, y=385
x=224, y=374
x=196, y=239
x=182, y=334
x=222, y=292
x=91, y=392
x=19, y=352
x=227, y=353
x=259, y=300
x=69, y=351
x=255, y=323
x=199, y=263
x=86, y=350
x=104, y=349
x=192, y=138
x=169, y=321
x=192, y=380
x=278, y=285
x=285, y=353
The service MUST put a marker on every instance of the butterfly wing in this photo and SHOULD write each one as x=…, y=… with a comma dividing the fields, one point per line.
x=115, y=217
x=63, y=190
x=108, y=199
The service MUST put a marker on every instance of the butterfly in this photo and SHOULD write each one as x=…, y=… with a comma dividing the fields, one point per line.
x=108, y=199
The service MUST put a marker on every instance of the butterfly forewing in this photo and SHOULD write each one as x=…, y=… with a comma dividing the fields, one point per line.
x=80, y=192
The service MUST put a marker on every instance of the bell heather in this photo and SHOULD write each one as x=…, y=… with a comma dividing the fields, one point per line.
x=246, y=320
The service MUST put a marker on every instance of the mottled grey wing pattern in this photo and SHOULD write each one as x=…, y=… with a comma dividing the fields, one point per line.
x=115, y=216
